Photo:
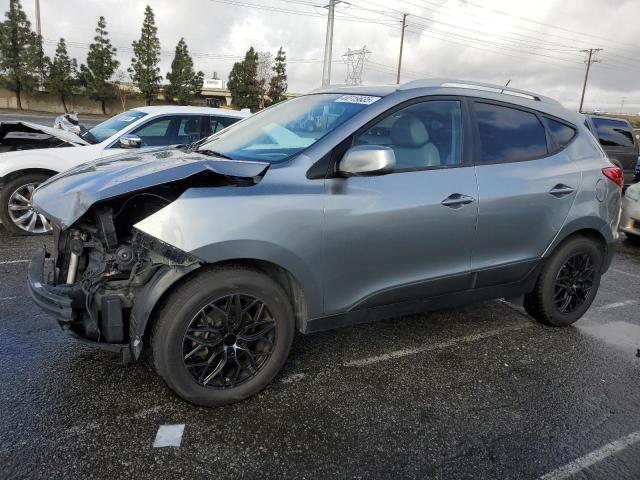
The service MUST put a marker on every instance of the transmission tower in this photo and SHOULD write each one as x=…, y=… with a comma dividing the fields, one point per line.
x=355, y=64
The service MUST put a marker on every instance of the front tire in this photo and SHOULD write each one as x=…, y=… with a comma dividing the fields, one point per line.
x=16, y=211
x=567, y=284
x=222, y=336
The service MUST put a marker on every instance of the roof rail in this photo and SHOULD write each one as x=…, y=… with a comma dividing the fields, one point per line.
x=485, y=87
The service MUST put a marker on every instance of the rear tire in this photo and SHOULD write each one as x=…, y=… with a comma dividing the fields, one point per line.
x=204, y=345
x=567, y=284
x=15, y=201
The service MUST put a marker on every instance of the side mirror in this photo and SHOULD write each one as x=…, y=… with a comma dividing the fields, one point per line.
x=130, y=141
x=367, y=160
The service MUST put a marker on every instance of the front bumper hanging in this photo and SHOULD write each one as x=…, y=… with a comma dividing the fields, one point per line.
x=46, y=296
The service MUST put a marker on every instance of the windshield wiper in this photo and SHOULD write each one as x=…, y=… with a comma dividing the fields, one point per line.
x=213, y=153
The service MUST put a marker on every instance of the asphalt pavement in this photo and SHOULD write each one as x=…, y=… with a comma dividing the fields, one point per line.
x=476, y=392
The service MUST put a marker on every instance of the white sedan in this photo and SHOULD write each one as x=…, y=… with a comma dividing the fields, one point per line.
x=630, y=220
x=28, y=159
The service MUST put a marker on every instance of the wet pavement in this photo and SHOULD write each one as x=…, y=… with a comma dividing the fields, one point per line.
x=475, y=392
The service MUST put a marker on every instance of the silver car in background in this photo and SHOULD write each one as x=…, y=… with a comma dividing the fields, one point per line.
x=347, y=205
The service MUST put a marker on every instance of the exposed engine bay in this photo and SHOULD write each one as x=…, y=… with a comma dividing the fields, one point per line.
x=66, y=132
x=102, y=263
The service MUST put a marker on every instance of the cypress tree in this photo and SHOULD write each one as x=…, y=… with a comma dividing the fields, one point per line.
x=144, y=68
x=62, y=74
x=19, y=64
x=101, y=65
x=243, y=82
x=278, y=82
x=184, y=82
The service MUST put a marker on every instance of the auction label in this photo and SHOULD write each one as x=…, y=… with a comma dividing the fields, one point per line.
x=361, y=99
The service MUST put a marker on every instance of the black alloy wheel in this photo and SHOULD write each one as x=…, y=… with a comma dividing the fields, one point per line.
x=574, y=282
x=228, y=341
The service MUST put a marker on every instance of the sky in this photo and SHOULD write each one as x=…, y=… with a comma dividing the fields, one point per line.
x=536, y=45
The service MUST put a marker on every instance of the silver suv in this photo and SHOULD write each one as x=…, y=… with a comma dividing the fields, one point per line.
x=347, y=205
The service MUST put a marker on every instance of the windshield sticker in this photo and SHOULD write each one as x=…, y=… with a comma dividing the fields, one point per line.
x=128, y=119
x=361, y=99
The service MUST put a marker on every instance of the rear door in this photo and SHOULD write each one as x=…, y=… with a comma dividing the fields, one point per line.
x=526, y=185
x=407, y=234
x=618, y=141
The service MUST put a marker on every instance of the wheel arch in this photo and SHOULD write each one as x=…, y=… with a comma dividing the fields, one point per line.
x=26, y=171
x=162, y=286
x=591, y=232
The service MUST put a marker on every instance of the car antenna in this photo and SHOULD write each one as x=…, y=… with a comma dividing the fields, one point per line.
x=505, y=85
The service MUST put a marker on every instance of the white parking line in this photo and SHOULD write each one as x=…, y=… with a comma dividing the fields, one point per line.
x=3, y=299
x=9, y=262
x=609, y=306
x=435, y=346
x=592, y=458
x=169, y=436
x=625, y=273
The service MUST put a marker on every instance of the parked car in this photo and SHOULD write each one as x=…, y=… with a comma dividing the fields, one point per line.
x=346, y=205
x=630, y=219
x=619, y=142
x=32, y=153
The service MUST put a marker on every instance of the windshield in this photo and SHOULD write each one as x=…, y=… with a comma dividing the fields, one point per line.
x=287, y=128
x=110, y=127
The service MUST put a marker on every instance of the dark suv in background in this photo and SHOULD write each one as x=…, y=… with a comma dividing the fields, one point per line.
x=616, y=136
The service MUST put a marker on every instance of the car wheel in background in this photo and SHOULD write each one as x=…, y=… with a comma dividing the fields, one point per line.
x=567, y=284
x=16, y=211
x=222, y=336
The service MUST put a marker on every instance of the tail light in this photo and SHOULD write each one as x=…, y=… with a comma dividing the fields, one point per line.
x=615, y=175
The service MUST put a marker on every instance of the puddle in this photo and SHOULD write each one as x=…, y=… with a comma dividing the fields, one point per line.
x=623, y=335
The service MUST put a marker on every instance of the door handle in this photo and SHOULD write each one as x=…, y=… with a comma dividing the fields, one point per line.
x=456, y=200
x=561, y=190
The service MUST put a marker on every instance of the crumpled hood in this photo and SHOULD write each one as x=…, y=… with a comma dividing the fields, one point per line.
x=65, y=197
x=27, y=130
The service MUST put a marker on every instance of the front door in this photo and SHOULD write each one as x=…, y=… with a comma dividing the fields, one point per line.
x=407, y=234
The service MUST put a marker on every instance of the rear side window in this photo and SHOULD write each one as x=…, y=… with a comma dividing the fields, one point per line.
x=508, y=134
x=613, y=133
x=561, y=132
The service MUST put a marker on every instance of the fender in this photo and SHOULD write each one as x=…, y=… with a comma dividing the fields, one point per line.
x=147, y=299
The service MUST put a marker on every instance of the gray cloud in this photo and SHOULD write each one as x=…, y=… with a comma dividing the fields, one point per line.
x=219, y=33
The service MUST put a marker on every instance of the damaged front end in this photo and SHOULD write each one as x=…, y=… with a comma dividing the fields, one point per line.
x=104, y=276
x=18, y=135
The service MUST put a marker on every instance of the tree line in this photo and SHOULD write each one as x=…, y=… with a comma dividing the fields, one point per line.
x=25, y=68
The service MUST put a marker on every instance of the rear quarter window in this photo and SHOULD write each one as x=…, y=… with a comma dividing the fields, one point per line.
x=508, y=134
x=613, y=133
x=561, y=132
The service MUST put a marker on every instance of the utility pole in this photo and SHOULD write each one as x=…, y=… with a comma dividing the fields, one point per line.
x=328, y=43
x=591, y=58
x=404, y=26
x=622, y=104
x=38, y=29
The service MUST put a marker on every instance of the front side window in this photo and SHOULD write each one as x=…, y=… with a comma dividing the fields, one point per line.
x=286, y=129
x=170, y=130
x=613, y=133
x=110, y=127
x=423, y=135
x=508, y=134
